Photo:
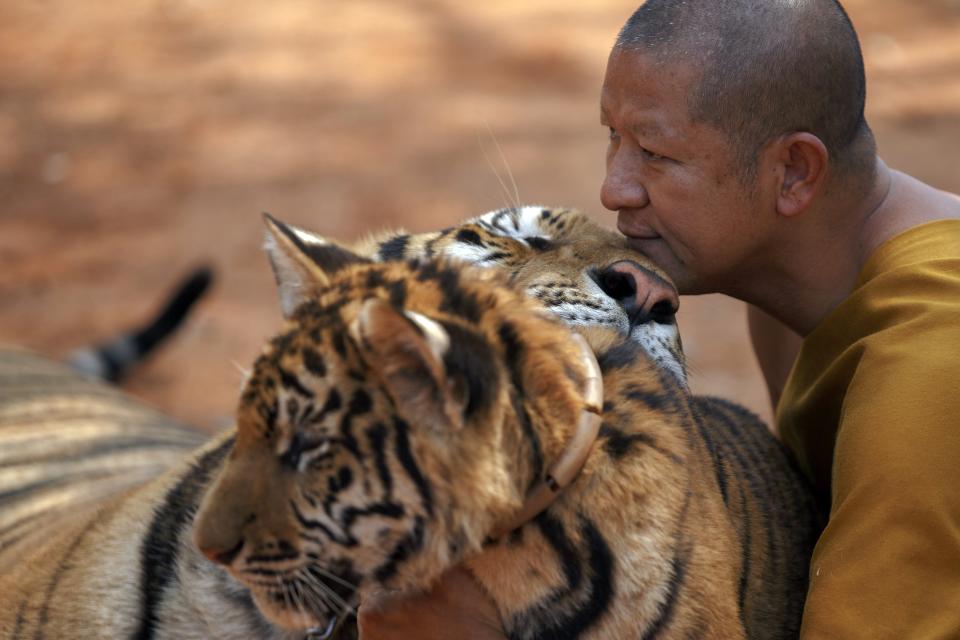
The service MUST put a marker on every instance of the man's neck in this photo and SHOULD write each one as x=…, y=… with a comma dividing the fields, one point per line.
x=821, y=253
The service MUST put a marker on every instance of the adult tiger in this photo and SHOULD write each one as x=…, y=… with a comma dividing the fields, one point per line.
x=391, y=428
x=67, y=441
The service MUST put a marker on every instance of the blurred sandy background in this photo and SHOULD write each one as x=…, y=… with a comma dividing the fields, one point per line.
x=141, y=138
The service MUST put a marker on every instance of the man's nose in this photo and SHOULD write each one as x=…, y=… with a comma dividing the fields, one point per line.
x=622, y=188
x=644, y=295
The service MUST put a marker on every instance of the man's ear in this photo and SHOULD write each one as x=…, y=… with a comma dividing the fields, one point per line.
x=407, y=351
x=302, y=261
x=801, y=159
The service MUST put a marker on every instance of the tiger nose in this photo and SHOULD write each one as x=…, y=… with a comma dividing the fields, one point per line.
x=644, y=295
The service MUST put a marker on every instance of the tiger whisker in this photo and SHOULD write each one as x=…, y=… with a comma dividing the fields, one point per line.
x=244, y=372
x=503, y=185
x=306, y=620
x=314, y=593
x=503, y=158
x=333, y=601
x=317, y=585
x=281, y=583
x=334, y=577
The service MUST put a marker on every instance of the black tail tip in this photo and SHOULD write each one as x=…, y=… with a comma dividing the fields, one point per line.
x=195, y=285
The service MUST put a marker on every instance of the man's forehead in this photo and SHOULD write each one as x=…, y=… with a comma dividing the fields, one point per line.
x=653, y=96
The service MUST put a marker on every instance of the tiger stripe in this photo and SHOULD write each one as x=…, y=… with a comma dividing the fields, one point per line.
x=709, y=477
x=68, y=440
x=159, y=550
x=402, y=413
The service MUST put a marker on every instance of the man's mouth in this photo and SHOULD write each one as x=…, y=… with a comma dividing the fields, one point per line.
x=635, y=230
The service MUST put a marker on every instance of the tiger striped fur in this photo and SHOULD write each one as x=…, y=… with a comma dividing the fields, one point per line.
x=68, y=443
x=402, y=412
x=688, y=520
x=559, y=257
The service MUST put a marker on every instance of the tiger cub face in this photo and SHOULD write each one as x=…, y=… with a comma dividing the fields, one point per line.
x=390, y=384
x=584, y=273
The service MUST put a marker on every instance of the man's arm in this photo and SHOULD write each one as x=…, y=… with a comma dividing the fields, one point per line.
x=776, y=347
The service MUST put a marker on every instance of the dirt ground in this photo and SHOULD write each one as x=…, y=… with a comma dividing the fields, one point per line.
x=139, y=139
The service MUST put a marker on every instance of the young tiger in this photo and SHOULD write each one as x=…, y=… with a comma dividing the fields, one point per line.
x=393, y=427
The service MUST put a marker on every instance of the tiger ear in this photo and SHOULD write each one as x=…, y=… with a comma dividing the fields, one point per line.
x=302, y=261
x=408, y=351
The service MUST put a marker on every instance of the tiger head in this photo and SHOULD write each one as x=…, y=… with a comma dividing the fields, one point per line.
x=391, y=388
x=584, y=273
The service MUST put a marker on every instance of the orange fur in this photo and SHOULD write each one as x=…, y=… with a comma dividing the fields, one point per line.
x=454, y=389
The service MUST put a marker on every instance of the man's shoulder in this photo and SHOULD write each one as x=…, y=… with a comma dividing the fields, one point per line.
x=931, y=243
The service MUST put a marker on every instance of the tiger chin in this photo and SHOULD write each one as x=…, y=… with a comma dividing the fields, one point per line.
x=398, y=424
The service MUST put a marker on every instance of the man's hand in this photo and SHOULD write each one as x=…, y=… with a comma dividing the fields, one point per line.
x=456, y=608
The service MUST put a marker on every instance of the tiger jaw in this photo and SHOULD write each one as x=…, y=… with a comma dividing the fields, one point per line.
x=662, y=344
x=302, y=598
x=286, y=607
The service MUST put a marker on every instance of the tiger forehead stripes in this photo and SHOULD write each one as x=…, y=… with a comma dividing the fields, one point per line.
x=584, y=273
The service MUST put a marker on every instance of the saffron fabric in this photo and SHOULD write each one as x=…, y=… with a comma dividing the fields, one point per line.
x=872, y=411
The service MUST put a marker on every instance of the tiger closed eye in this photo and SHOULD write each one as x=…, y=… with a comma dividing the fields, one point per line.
x=307, y=450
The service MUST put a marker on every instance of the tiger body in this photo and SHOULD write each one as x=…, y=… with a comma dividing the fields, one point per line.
x=82, y=470
x=69, y=443
x=370, y=454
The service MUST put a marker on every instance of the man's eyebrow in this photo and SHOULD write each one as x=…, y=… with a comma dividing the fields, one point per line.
x=644, y=128
x=648, y=129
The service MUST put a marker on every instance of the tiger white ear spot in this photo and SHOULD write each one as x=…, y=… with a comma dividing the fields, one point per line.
x=362, y=328
x=437, y=338
x=308, y=238
x=406, y=351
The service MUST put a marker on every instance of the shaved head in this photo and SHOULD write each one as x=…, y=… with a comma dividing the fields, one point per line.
x=766, y=68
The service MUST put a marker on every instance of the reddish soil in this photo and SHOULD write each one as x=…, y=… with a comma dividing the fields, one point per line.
x=138, y=139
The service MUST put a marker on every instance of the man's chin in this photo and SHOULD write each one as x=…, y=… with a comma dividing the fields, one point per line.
x=645, y=244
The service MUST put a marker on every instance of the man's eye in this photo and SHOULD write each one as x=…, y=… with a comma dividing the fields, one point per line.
x=613, y=133
x=650, y=155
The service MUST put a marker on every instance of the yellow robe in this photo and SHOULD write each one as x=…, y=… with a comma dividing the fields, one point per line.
x=872, y=410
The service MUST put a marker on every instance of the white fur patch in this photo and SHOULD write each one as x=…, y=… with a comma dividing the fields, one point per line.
x=580, y=315
x=437, y=339
x=467, y=252
x=521, y=223
x=661, y=342
x=306, y=237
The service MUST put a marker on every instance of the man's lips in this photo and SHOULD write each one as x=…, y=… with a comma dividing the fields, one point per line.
x=635, y=231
